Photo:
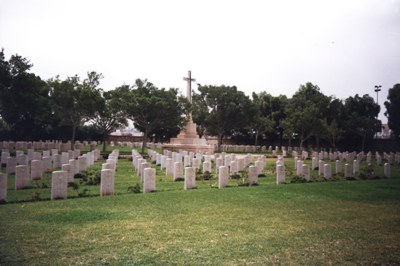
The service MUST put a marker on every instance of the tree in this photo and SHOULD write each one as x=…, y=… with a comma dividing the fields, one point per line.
x=262, y=122
x=153, y=109
x=393, y=110
x=229, y=110
x=110, y=114
x=334, y=121
x=361, y=117
x=305, y=113
x=24, y=104
x=199, y=113
x=76, y=102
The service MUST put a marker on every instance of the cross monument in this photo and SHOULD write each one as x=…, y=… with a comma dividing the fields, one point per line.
x=189, y=80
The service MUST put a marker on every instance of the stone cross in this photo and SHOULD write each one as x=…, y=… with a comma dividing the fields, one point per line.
x=189, y=80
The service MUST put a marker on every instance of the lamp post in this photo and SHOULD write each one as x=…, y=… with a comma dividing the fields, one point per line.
x=377, y=90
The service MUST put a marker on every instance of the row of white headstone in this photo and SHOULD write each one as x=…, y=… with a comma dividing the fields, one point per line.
x=44, y=145
x=184, y=165
x=108, y=169
x=34, y=170
x=390, y=158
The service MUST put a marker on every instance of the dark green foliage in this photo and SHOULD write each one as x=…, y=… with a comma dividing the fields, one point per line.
x=393, y=110
x=134, y=189
x=84, y=193
x=229, y=110
x=90, y=177
x=204, y=176
x=298, y=179
x=74, y=185
x=35, y=196
x=153, y=110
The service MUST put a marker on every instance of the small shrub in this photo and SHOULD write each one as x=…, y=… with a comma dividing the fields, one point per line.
x=90, y=177
x=261, y=175
x=363, y=176
x=84, y=193
x=40, y=185
x=179, y=179
x=206, y=176
x=79, y=175
x=298, y=179
x=235, y=176
x=74, y=185
x=134, y=189
x=243, y=183
x=35, y=196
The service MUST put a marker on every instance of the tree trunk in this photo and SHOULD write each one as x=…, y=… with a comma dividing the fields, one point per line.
x=363, y=141
x=104, y=141
x=256, y=140
x=144, y=144
x=74, y=126
x=220, y=136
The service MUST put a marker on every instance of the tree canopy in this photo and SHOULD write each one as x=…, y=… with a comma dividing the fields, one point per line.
x=229, y=110
x=393, y=110
x=33, y=109
x=153, y=109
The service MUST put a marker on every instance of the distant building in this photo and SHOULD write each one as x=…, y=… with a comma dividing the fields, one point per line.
x=128, y=131
x=385, y=132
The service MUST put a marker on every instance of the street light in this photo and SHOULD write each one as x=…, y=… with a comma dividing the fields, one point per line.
x=377, y=90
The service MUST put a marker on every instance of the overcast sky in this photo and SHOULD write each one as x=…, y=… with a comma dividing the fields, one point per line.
x=343, y=46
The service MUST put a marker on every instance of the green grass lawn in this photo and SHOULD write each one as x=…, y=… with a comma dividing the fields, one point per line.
x=336, y=222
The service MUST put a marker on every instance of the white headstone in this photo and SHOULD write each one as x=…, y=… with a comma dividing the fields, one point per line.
x=223, y=176
x=190, y=178
x=178, y=170
x=233, y=169
x=59, y=185
x=321, y=168
x=3, y=187
x=36, y=170
x=11, y=165
x=260, y=167
x=338, y=167
x=169, y=167
x=218, y=163
x=280, y=174
x=149, y=180
x=356, y=167
x=253, y=175
x=107, y=182
x=347, y=170
x=47, y=164
x=327, y=171
x=207, y=166
x=70, y=172
x=22, y=177
x=305, y=171
x=82, y=163
x=386, y=170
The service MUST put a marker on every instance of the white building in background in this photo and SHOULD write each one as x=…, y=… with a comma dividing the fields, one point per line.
x=385, y=133
x=128, y=131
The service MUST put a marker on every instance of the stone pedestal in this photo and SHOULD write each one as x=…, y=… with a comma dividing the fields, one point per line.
x=188, y=140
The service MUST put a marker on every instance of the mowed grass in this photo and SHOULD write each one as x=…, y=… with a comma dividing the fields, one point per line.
x=341, y=222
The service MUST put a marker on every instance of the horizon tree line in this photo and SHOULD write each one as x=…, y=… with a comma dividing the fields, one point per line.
x=75, y=108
